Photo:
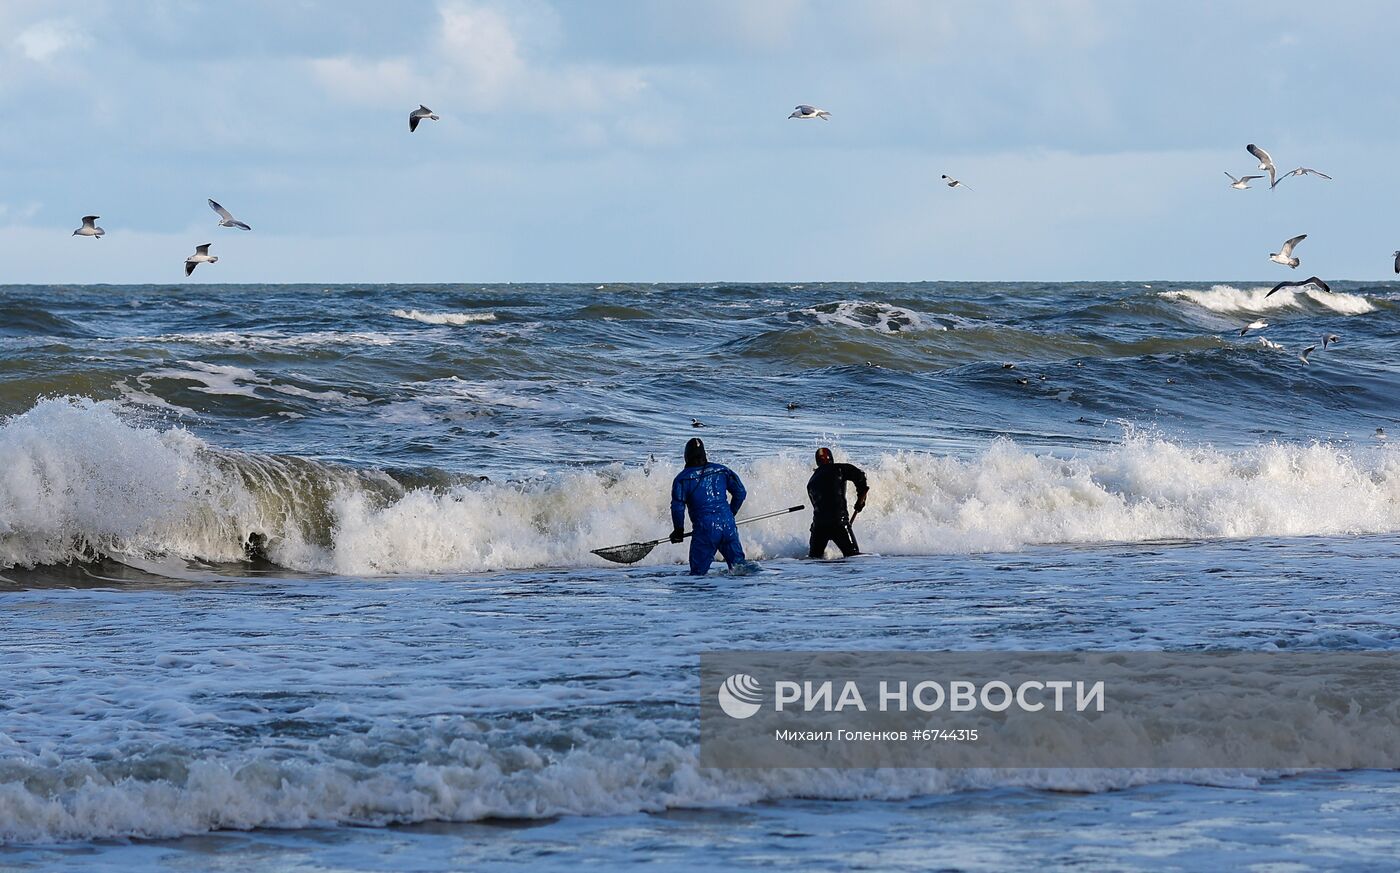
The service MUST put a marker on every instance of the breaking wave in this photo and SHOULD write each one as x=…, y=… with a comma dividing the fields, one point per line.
x=266, y=339
x=79, y=481
x=1227, y=299
x=879, y=317
x=454, y=769
x=453, y=318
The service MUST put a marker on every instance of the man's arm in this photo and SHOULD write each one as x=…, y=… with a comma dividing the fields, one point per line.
x=677, y=505
x=856, y=476
x=736, y=490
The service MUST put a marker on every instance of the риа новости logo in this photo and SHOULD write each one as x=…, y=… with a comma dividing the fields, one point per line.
x=740, y=696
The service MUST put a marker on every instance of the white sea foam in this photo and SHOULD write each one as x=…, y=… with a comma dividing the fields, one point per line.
x=238, y=382
x=467, y=775
x=453, y=318
x=881, y=317
x=76, y=479
x=141, y=397
x=213, y=378
x=1227, y=299
x=267, y=339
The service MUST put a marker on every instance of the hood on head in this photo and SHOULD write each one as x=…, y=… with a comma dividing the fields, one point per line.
x=824, y=456
x=695, y=453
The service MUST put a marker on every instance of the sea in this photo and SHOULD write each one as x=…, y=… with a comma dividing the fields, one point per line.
x=299, y=577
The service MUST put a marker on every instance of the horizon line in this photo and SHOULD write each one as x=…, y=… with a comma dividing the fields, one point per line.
x=596, y=282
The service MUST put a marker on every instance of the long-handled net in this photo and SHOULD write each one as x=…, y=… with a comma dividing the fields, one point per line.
x=631, y=553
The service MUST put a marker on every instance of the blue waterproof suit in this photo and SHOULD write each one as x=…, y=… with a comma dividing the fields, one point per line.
x=702, y=488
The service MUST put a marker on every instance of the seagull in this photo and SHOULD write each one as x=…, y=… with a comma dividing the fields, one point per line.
x=1302, y=171
x=1285, y=254
x=1265, y=162
x=90, y=228
x=953, y=183
x=226, y=218
x=1307, y=351
x=1242, y=183
x=695, y=422
x=1330, y=339
x=805, y=111
x=1311, y=280
x=201, y=256
x=418, y=115
x=1258, y=324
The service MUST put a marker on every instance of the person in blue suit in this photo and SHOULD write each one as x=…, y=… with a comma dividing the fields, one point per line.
x=713, y=494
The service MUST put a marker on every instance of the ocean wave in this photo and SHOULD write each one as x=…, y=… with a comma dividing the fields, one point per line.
x=453, y=318
x=265, y=339
x=236, y=382
x=1227, y=299
x=450, y=768
x=77, y=481
x=22, y=320
x=880, y=317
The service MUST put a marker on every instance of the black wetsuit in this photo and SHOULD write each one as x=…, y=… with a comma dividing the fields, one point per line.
x=827, y=491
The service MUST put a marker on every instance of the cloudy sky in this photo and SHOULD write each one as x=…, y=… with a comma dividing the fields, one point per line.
x=649, y=141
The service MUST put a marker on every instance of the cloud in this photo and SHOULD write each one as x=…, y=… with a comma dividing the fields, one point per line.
x=366, y=81
x=649, y=139
x=41, y=41
x=12, y=214
x=488, y=58
x=480, y=49
x=764, y=26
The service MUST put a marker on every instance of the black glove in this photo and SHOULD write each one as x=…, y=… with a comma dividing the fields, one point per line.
x=860, y=504
x=677, y=535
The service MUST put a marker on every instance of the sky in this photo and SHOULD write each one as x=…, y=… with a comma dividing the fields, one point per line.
x=648, y=140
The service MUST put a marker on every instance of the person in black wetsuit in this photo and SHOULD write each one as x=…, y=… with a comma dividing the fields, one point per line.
x=827, y=491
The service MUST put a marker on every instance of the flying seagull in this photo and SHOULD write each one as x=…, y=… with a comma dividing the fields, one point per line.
x=1302, y=171
x=226, y=218
x=1265, y=162
x=1285, y=254
x=1242, y=183
x=1307, y=351
x=418, y=115
x=201, y=256
x=805, y=111
x=1311, y=280
x=90, y=228
x=953, y=183
x=1260, y=324
x=1330, y=339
